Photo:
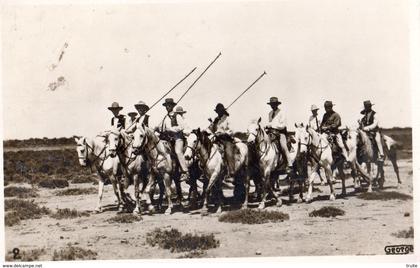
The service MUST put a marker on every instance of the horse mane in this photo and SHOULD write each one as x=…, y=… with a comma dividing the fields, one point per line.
x=365, y=143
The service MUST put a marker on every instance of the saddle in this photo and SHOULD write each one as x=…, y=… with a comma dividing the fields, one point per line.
x=332, y=140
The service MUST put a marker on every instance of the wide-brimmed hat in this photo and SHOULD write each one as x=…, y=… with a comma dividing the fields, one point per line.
x=169, y=101
x=328, y=104
x=221, y=108
x=115, y=106
x=180, y=110
x=366, y=104
x=274, y=100
x=141, y=104
x=314, y=107
x=132, y=114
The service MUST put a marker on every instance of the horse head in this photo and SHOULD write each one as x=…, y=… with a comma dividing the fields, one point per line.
x=302, y=137
x=114, y=138
x=140, y=139
x=192, y=143
x=82, y=150
x=253, y=131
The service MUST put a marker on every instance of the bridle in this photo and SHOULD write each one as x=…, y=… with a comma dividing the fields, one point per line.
x=260, y=132
x=89, y=162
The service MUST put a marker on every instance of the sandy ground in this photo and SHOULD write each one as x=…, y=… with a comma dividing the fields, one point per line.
x=365, y=229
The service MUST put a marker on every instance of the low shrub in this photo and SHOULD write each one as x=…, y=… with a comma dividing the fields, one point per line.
x=20, y=192
x=383, y=195
x=175, y=241
x=76, y=191
x=249, y=216
x=327, y=212
x=71, y=253
x=125, y=218
x=67, y=213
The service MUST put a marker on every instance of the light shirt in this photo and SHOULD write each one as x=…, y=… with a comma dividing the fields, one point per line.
x=314, y=122
x=167, y=124
x=138, y=122
x=277, y=119
x=220, y=126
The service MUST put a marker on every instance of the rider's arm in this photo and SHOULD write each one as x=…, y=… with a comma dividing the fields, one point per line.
x=133, y=126
x=180, y=121
x=372, y=126
x=223, y=127
x=279, y=122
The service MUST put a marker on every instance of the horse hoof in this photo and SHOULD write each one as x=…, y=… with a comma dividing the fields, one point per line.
x=322, y=183
x=279, y=202
x=332, y=197
x=261, y=206
x=137, y=211
x=97, y=210
x=168, y=211
x=299, y=200
x=369, y=189
x=244, y=206
x=204, y=213
x=219, y=210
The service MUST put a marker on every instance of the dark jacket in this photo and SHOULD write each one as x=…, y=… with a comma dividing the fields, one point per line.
x=331, y=122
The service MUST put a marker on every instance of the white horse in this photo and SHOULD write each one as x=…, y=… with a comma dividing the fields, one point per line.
x=136, y=168
x=361, y=150
x=269, y=159
x=211, y=162
x=94, y=153
x=158, y=153
x=321, y=151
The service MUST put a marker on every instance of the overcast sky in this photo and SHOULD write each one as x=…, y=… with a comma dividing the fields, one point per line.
x=345, y=51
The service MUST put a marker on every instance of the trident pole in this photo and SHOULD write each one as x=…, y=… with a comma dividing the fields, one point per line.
x=264, y=73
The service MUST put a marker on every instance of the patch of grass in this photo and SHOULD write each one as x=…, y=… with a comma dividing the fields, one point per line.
x=11, y=218
x=85, y=179
x=20, y=192
x=405, y=233
x=175, y=241
x=327, y=212
x=67, y=213
x=124, y=218
x=192, y=255
x=71, y=253
x=76, y=191
x=26, y=255
x=53, y=183
x=22, y=210
x=249, y=216
x=384, y=196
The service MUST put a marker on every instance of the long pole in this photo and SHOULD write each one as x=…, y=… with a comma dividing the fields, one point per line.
x=198, y=78
x=264, y=73
x=172, y=88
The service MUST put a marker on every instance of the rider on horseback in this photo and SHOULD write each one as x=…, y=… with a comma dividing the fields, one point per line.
x=331, y=121
x=172, y=129
x=277, y=126
x=369, y=123
x=223, y=136
x=313, y=119
x=118, y=120
x=141, y=119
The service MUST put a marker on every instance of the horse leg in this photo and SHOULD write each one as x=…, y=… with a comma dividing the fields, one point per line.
x=275, y=181
x=136, y=183
x=219, y=196
x=393, y=159
x=300, y=199
x=246, y=182
x=365, y=175
x=329, y=174
x=212, y=182
x=167, y=182
x=291, y=189
x=369, y=172
x=265, y=187
x=117, y=194
x=343, y=180
x=98, y=208
x=310, y=186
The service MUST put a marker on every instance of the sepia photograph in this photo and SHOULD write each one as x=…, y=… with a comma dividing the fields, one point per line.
x=138, y=130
